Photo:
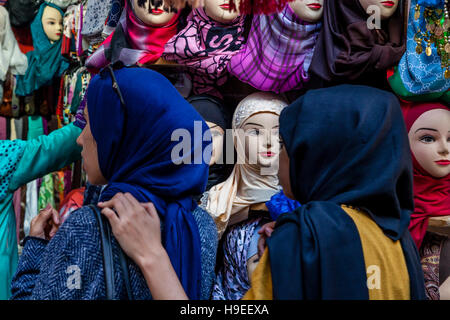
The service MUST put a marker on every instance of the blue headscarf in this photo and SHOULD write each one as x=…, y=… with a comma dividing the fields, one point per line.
x=422, y=74
x=346, y=145
x=45, y=61
x=135, y=155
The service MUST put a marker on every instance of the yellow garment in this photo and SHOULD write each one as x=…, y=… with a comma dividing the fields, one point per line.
x=261, y=281
x=387, y=274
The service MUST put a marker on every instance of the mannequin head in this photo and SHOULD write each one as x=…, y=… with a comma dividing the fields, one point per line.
x=308, y=10
x=217, y=134
x=429, y=138
x=262, y=139
x=151, y=15
x=387, y=7
x=256, y=130
x=219, y=10
x=52, y=23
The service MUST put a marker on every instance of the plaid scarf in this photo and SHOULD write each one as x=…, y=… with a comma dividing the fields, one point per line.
x=278, y=52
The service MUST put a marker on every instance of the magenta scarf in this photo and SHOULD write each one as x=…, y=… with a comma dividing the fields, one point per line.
x=278, y=52
x=147, y=42
x=206, y=46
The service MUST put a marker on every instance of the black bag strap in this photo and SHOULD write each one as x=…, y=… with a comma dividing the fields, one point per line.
x=108, y=258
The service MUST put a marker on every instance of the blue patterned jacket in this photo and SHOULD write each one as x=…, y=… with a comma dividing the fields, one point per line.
x=50, y=269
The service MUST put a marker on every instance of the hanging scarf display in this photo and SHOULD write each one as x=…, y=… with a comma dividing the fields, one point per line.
x=431, y=195
x=45, y=62
x=94, y=21
x=425, y=67
x=206, y=47
x=11, y=58
x=278, y=52
x=133, y=41
x=245, y=185
x=347, y=48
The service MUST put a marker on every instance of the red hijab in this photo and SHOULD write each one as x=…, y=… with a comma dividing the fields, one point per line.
x=431, y=195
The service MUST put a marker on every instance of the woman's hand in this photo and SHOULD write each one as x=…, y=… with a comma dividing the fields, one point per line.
x=265, y=232
x=45, y=224
x=136, y=226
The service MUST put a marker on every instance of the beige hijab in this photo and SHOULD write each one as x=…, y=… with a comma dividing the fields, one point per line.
x=228, y=201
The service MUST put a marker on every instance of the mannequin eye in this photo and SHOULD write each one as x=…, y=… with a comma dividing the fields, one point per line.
x=254, y=132
x=427, y=139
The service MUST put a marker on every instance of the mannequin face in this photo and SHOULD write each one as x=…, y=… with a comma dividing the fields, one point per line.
x=308, y=10
x=52, y=22
x=90, y=154
x=219, y=10
x=217, y=134
x=155, y=16
x=429, y=138
x=387, y=7
x=262, y=139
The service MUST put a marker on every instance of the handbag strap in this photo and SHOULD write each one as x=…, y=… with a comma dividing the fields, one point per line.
x=108, y=257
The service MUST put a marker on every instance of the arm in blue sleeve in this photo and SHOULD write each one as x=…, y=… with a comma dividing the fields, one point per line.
x=70, y=267
x=28, y=269
x=46, y=154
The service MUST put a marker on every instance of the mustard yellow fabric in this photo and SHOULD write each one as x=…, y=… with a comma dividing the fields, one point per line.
x=387, y=274
x=261, y=280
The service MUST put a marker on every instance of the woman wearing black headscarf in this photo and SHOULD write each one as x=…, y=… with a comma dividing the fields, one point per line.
x=347, y=49
x=348, y=162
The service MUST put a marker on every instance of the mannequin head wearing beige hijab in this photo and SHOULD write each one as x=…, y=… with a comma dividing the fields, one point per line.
x=254, y=178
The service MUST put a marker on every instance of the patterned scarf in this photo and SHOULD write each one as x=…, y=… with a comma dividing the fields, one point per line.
x=278, y=52
x=420, y=73
x=206, y=46
x=232, y=280
x=147, y=42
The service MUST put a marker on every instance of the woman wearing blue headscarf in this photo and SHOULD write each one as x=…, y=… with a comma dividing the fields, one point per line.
x=127, y=145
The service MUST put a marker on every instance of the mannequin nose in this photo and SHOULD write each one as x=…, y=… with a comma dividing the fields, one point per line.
x=444, y=148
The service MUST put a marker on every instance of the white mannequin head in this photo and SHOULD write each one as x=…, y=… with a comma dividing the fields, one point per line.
x=219, y=10
x=150, y=15
x=387, y=7
x=429, y=138
x=308, y=10
x=52, y=23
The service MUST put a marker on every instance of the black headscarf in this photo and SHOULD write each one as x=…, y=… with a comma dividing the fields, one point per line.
x=346, y=48
x=346, y=145
x=212, y=110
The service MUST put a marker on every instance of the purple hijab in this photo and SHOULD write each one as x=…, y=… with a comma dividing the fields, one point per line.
x=278, y=52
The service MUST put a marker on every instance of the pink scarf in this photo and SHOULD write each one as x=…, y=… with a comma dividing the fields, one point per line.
x=147, y=42
x=206, y=46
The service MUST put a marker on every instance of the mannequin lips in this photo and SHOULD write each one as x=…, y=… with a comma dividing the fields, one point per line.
x=268, y=154
x=443, y=162
x=225, y=6
x=157, y=11
x=388, y=4
x=315, y=6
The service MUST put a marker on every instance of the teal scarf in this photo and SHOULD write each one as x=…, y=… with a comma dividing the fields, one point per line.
x=45, y=62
